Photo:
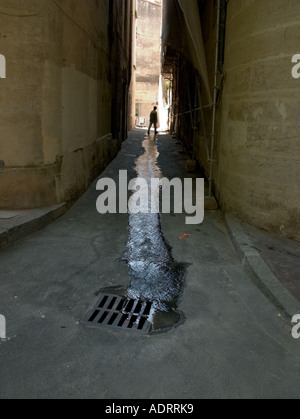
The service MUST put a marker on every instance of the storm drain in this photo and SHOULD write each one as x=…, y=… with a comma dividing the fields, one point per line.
x=116, y=312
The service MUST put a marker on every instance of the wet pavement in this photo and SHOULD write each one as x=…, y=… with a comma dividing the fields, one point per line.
x=231, y=343
x=154, y=274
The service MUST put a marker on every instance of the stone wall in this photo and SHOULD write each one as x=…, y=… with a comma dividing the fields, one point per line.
x=132, y=87
x=259, y=167
x=56, y=99
x=256, y=168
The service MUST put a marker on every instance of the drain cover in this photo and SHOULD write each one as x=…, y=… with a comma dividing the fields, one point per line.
x=115, y=312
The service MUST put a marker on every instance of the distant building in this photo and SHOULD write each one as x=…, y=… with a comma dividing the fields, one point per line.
x=148, y=58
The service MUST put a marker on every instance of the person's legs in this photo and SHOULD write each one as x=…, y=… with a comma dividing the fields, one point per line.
x=150, y=126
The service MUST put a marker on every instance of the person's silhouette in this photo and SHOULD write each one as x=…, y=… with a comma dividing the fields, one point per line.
x=153, y=120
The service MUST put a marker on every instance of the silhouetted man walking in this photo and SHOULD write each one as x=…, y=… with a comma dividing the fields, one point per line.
x=153, y=120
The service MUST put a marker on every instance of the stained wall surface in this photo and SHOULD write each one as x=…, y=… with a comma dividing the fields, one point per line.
x=256, y=153
x=259, y=150
x=56, y=99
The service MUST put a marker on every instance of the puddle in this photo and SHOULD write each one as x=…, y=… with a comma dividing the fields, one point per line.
x=154, y=274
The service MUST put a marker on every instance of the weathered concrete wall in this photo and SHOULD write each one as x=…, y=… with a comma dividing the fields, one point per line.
x=256, y=167
x=55, y=104
x=259, y=167
x=148, y=57
x=132, y=87
x=208, y=15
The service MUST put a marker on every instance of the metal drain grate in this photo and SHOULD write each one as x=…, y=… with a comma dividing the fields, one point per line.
x=115, y=312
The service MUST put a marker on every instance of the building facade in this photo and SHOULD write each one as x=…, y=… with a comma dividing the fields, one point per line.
x=65, y=99
x=148, y=58
x=236, y=106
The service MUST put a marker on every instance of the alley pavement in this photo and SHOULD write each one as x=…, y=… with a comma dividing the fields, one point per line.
x=240, y=291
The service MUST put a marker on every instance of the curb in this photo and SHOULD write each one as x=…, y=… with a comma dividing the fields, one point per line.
x=24, y=225
x=259, y=271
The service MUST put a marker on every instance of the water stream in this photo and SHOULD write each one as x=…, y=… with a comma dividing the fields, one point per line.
x=154, y=274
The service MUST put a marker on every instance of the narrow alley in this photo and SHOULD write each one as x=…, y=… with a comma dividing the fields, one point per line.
x=230, y=343
x=149, y=202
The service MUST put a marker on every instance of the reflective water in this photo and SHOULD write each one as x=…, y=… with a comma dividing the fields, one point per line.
x=154, y=275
